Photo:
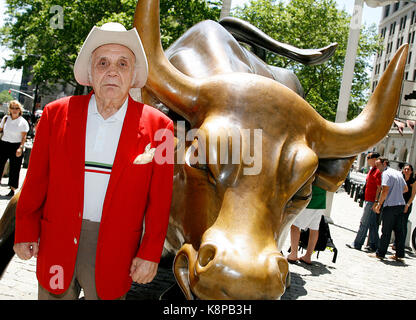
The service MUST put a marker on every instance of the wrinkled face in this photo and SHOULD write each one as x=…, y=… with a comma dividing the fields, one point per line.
x=112, y=71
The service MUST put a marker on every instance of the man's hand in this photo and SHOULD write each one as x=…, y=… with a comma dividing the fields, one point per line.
x=377, y=208
x=143, y=271
x=19, y=152
x=26, y=250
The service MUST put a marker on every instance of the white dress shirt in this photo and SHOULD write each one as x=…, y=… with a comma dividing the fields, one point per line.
x=101, y=143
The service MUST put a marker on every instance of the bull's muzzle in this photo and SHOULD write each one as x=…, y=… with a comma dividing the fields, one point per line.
x=217, y=272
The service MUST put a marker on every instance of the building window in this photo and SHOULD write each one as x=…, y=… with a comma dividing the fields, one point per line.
x=399, y=42
x=414, y=75
x=377, y=69
x=383, y=33
x=410, y=57
x=396, y=6
x=413, y=18
x=374, y=86
x=402, y=23
x=389, y=47
x=392, y=27
x=386, y=11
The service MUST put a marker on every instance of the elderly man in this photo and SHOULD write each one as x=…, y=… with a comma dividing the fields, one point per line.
x=391, y=200
x=93, y=178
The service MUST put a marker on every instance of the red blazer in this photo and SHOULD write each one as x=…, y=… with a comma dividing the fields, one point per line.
x=51, y=200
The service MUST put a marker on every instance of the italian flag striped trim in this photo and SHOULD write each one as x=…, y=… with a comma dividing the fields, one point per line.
x=98, y=167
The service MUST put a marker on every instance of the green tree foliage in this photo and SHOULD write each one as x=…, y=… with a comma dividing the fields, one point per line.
x=31, y=30
x=5, y=96
x=315, y=24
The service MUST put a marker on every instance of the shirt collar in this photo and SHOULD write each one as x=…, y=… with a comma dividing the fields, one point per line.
x=118, y=116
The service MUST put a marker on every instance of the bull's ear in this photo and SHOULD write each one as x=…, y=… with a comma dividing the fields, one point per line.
x=331, y=173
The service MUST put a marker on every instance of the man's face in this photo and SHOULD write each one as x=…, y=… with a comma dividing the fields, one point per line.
x=371, y=162
x=112, y=71
x=379, y=165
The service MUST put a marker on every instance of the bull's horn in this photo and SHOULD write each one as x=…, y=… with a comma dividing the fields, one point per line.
x=176, y=90
x=341, y=140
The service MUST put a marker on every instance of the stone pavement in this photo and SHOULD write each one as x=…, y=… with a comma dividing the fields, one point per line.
x=354, y=276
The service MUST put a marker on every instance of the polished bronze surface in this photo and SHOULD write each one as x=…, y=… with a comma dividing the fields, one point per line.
x=227, y=227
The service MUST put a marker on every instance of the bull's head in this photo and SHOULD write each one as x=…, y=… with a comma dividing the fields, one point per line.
x=227, y=224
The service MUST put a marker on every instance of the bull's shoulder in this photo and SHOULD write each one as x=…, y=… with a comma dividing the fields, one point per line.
x=200, y=33
x=288, y=78
x=207, y=49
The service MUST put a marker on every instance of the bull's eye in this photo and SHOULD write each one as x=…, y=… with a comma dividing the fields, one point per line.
x=197, y=159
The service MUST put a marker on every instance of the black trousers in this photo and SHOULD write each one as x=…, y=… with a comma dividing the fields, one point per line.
x=392, y=221
x=8, y=151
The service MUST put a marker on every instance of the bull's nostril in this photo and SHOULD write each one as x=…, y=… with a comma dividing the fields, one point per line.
x=206, y=254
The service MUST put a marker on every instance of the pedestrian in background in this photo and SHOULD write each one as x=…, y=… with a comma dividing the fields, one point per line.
x=14, y=129
x=309, y=218
x=368, y=222
x=408, y=196
x=392, y=202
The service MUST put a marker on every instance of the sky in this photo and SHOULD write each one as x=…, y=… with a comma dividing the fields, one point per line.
x=370, y=15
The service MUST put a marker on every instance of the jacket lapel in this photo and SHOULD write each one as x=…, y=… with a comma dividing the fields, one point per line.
x=76, y=124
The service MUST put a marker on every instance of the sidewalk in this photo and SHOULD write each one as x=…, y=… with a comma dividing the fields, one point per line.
x=354, y=276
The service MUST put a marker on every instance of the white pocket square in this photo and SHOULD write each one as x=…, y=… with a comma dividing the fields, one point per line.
x=146, y=156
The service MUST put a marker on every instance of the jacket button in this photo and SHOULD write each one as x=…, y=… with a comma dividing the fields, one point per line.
x=75, y=240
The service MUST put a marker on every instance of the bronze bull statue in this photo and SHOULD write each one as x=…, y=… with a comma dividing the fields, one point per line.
x=227, y=225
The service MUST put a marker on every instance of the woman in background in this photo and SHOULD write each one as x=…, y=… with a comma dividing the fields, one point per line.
x=408, y=196
x=14, y=128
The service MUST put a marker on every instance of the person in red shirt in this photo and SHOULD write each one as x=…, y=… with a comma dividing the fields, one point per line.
x=369, y=218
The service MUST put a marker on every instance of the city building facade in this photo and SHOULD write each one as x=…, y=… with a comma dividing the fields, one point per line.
x=397, y=26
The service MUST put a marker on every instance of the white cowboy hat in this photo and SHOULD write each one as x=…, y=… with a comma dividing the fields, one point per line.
x=109, y=33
